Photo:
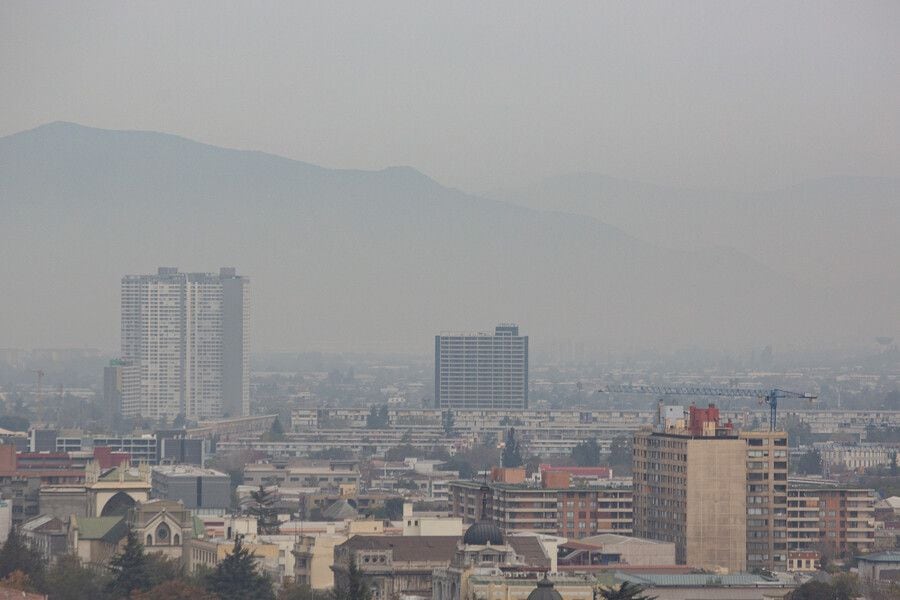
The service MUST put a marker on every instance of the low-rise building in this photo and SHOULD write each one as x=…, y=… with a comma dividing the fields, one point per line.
x=416, y=523
x=857, y=457
x=837, y=521
x=325, y=475
x=610, y=549
x=394, y=566
x=884, y=566
x=200, y=490
x=47, y=535
x=710, y=586
x=554, y=506
x=95, y=540
x=314, y=556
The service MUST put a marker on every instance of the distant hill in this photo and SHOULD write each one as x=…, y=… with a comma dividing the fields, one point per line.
x=841, y=232
x=362, y=260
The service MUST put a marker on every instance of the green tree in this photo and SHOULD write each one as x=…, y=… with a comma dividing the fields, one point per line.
x=17, y=580
x=842, y=587
x=512, y=454
x=625, y=591
x=18, y=555
x=845, y=586
x=69, y=580
x=236, y=577
x=448, y=422
x=391, y=510
x=296, y=591
x=263, y=508
x=799, y=433
x=175, y=589
x=810, y=463
x=276, y=431
x=586, y=454
x=14, y=423
x=129, y=568
x=620, y=452
x=402, y=452
x=355, y=588
x=378, y=417
x=161, y=569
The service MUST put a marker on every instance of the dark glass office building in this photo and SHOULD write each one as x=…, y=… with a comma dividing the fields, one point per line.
x=475, y=371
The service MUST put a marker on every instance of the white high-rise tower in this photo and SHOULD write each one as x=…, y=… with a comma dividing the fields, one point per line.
x=187, y=334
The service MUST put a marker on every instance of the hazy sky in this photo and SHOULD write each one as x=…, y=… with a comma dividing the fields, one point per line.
x=482, y=94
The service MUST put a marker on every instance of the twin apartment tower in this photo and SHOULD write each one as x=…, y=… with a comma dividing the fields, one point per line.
x=185, y=345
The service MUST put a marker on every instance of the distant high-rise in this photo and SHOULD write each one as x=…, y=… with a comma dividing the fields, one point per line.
x=187, y=334
x=121, y=389
x=482, y=371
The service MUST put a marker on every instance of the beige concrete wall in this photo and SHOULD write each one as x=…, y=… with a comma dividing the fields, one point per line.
x=641, y=554
x=716, y=504
x=320, y=574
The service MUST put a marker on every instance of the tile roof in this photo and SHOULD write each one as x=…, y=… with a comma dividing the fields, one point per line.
x=696, y=579
x=881, y=557
x=108, y=529
x=408, y=548
x=529, y=548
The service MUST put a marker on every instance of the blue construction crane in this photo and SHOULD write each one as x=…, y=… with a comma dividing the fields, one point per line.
x=770, y=397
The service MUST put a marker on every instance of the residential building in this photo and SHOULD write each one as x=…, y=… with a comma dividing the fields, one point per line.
x=690, y=488
x=323, y=474
x=858, y=457
x=832, y=520
x=481, y=371
x=121, y=389
x=767, y=473
x=554, y=507
x=5, y=519
x=183, y=330
x=23, y=474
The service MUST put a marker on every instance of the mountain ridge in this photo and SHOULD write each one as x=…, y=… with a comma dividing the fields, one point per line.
x=350, y=259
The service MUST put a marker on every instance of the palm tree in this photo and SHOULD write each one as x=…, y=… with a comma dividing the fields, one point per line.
x=626, y=591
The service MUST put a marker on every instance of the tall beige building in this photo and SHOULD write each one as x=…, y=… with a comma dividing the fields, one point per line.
x=690, y=488
x=767, y=472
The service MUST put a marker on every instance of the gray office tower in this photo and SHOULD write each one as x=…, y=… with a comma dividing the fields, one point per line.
x=475, y=371
x=187, y=333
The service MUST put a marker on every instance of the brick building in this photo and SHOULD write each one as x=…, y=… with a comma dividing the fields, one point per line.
x=555, y=507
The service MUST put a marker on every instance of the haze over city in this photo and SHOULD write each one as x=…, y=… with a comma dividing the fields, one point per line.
x=412, y=300
x=739, y=168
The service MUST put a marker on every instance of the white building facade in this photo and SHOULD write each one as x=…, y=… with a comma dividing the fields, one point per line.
x=190, y=351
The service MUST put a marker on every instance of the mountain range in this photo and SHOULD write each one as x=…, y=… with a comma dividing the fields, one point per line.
x=384, y=260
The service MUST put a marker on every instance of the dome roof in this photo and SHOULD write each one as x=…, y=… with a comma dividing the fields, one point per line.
x=544, y=591
x=483, y=533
